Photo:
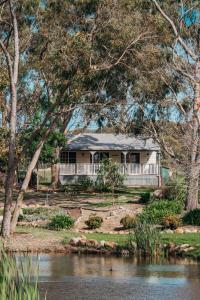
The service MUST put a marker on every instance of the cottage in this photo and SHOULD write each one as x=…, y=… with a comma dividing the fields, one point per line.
x=139, y=158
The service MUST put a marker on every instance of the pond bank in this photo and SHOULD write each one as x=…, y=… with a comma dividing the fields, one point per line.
x=41, y=240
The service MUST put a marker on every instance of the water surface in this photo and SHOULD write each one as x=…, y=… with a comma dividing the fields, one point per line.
x=97, y=277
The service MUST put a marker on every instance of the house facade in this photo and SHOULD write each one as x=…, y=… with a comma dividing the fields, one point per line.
x=138, y=159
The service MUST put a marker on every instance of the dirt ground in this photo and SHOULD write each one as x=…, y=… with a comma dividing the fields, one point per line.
x=81, y=206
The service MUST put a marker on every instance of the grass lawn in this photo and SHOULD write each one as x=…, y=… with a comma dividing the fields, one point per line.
x=193, y=239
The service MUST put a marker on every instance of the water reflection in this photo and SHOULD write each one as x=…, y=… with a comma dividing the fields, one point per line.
x=98, y=277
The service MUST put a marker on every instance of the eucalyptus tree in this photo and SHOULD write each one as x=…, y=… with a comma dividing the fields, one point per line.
x=183, y=20
x=149, y=53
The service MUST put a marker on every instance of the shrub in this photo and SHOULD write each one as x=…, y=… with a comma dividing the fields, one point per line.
x=43, y=212
x=128, y=222
x=61, y=222
x=100, y=187
x=176, y=190
x=192, y=217
x=94, y=222
x=145, y=197
x=157, y=210
x=171, y=222
x=86, y=182
x=148, y=239
x=109, y=175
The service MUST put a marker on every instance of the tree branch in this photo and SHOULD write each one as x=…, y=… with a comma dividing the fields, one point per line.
x=176, y=33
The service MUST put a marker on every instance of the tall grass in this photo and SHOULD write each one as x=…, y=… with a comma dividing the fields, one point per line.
x=16, y=278
x=148, y=239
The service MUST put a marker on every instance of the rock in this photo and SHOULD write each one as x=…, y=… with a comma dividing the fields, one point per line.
x=188, y=249
x=74, y=241
x=102, y=243
x=125, y=252
x=111, y=245
x=82, y=242
x=112, y=213
x=92, y=243
x=158, y=194
x=184, y=246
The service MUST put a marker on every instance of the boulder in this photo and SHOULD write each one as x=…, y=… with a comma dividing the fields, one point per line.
x=82, y=242
x=74, y=241
x=112, y=213
x=111, y=245
x=187, y=249
x=92, y=243
x=102, y=243
x=158, y=194
x=184, y=246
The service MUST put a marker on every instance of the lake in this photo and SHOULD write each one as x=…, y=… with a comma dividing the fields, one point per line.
x=110, y=277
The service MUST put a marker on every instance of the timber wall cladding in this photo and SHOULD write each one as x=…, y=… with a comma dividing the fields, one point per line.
x=140, y=180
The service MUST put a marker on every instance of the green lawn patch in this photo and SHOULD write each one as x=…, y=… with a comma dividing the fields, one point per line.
x=193, y=239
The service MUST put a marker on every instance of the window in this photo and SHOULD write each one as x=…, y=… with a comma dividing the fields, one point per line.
x=131, y=158
x=67, y=157
x=99, y=156
x=134, y=158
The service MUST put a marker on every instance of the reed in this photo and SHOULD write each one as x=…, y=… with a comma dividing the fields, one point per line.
x=18, y=278
x=148, y=239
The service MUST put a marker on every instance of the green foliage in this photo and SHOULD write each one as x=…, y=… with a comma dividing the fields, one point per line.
x=31, y=214
x=108, y=176
x=86, y=182
x=192, y=217
x=55, y=139
x=15, y=278
x=61, y=222
x=171, y=222
x=145, y=197
x=128, y=222
x=94, y=222
x=176, y=190
x=148, y=239
x=157, y=210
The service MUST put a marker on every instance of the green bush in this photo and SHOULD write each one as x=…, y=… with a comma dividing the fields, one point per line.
x=148, y=239
x=86, y=182
x=61, y=222
x=157, y=210
x=192, y=217
x=145, y=197
x=128, y=222
x=100, y=187
x=171, y=222
x=94, y=222
x=39, y=213
x=176, y=190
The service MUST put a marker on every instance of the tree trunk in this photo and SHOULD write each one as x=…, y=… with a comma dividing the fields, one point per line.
x=194, y=167
x=24, y=187
x=27, y=178
x=193, y=188
x=55, y=170
x=13, y=77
